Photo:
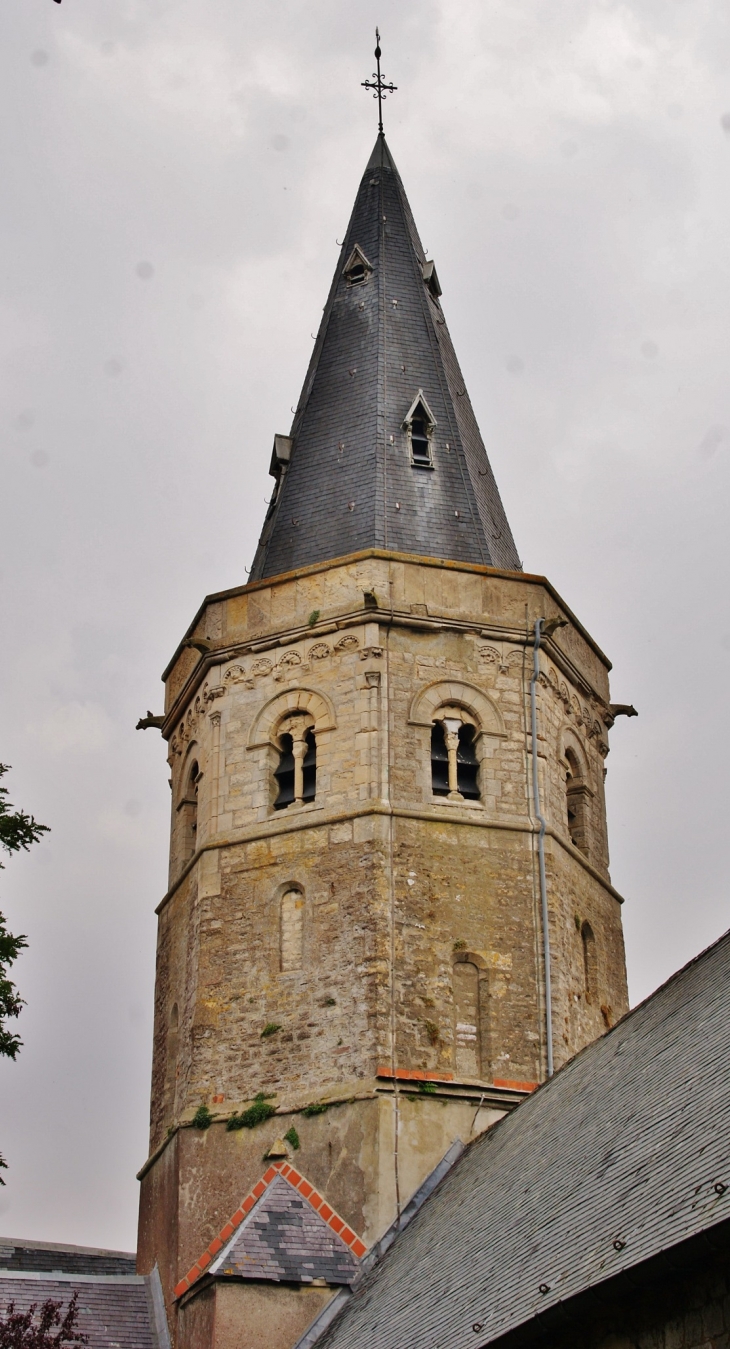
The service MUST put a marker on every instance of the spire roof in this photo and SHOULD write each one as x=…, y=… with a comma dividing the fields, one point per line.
x=384, y=450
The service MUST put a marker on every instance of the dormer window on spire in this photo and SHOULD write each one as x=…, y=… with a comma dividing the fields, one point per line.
x=420, y=424
x=430, y=276
x=357, y=267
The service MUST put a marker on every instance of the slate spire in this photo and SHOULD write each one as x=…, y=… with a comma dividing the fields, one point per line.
x=384, y=450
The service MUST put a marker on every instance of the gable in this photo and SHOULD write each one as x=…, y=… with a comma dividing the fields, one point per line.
x=284, y=1230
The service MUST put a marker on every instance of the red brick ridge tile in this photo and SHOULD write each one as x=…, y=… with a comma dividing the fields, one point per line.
x=416, y=1075
x=308, y=1192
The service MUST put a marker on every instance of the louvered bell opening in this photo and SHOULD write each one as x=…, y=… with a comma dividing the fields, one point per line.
x=420, y=447
x=284, y=774
x=439, y=761
x=467, y=765
x=309, y=767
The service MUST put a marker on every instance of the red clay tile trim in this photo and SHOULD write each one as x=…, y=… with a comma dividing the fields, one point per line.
x=333, y=1220
x=413, y=1075
x=515, y=1086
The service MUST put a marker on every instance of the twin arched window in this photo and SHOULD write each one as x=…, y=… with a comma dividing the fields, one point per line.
x=454, y=763
x=296, y=772
x=576, y=801
x=188, y=809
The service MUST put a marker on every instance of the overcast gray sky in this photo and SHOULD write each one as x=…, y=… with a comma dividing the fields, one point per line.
x=174, y=179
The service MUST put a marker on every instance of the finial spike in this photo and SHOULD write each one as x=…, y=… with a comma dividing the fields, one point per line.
x=378, y=84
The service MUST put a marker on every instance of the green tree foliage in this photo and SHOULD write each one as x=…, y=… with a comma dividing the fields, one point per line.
x=47, y=1330
x=17, y=831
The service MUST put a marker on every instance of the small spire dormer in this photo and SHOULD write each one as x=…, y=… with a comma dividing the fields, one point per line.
x=357, y=269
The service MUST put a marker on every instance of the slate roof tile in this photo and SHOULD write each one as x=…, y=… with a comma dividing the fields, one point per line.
x=378, y=344
x=623, y=1154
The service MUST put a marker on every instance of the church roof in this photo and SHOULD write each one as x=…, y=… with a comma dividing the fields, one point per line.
x=283, y=1230
x=349, y=476
x=116, y=1306
x=621, y=1156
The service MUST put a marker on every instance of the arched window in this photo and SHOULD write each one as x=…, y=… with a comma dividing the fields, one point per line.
x=296, y=771
x=291, y=930
x=466, y=1018
x=188, y=809
x=576, y=802
x=454, y=763
x=590, y=968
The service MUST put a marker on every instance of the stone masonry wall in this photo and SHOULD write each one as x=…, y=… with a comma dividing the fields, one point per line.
x=397, y=887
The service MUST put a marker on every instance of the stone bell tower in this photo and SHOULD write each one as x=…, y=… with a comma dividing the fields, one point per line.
x=351, y=964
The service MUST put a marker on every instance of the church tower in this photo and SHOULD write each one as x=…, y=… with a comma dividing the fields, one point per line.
x=387, y=767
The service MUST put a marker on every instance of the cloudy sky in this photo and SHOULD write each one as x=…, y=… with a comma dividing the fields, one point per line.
x=174, y=180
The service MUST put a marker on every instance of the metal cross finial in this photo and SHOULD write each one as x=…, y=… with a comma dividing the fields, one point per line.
x=379, y=84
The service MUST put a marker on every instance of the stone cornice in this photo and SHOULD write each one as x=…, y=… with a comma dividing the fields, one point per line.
x=519, y=577
x=474, y=817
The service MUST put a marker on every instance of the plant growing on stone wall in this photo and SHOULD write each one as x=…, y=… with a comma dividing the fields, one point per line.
x=426, y=1088
x=459, y=945
x=315, y=1108
x=292, y=1137
x=270, y=1028
x=202, y=1119
x=432, y=1031
x=330, y=1002
x=313, y=618
x=256, y=1114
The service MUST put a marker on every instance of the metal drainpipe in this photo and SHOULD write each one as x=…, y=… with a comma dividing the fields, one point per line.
x=541, y=851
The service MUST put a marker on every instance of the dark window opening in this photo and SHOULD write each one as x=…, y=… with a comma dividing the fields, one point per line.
x=284, y=774
x=590, y=970
x=309, y=768
x=420, y=443
x=576, y=804
x=467, y=764
x=439, y=761
x=189, y=812
x=296, y=775
x=356, y=274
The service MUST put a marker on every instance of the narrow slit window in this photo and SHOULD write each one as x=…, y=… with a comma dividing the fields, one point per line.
x=439, y=761
x=590, y=968
x=292, y=930
x=466, y=1017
